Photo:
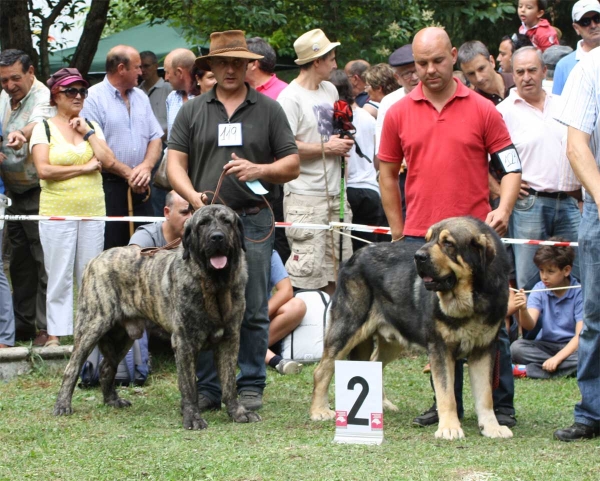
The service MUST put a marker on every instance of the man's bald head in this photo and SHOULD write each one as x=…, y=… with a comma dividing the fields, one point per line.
x=178, y=69
x=119, y=54
x=181, y=57
x=434, y=60
x=432, y=36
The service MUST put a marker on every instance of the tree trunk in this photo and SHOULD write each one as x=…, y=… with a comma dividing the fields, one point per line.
x=92, y=31
x=15, y=31
x=47, y=22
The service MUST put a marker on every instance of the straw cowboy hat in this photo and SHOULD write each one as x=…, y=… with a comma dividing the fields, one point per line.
x=312, y=45
x=231, y=43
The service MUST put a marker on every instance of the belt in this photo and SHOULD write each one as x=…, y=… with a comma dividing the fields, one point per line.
x=255, y=209
x=551, y=195
x=113, y=178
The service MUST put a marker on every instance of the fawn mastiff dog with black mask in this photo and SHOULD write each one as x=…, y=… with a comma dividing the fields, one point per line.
x=449, y=296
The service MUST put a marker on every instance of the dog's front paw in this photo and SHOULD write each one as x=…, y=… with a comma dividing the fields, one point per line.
x=63, y=409
x=322, y=414
x=119, y=403
x=246, y=416
x=193, y=420
x=450, y=433
x=495, y=431
x=389, y=405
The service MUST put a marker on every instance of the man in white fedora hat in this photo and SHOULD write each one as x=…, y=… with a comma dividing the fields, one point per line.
x=235, y=129
x=314, y=197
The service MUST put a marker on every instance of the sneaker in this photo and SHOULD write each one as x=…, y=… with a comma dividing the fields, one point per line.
x=519, y=370
x=288, y=366
x=577, y=432
x=251, y=400
x=207, y=404
x=428, y=418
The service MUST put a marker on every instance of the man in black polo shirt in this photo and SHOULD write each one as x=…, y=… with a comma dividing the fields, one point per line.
x=478, y=66
x=234, y=129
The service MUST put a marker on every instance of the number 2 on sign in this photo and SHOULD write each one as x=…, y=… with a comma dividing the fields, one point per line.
x=230, y=135
x=352, y=419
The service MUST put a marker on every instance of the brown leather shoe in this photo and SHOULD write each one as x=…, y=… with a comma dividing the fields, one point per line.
x=41, y=339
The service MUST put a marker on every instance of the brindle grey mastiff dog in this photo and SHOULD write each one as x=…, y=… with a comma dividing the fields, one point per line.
x=196, y=293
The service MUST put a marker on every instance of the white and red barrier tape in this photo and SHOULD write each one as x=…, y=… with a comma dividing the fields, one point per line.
x=296, y=225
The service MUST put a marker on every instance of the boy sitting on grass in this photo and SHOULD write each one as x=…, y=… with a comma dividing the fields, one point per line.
x=554, y=351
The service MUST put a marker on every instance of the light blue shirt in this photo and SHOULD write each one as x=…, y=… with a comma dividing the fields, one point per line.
x=127, y=133
x=562, y=71
x=558, y=315
x=174, y=102
x=278, y=272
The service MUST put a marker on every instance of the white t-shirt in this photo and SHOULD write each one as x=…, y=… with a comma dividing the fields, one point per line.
x=539, y=139
x=310, y=114
x=386, y=102
x=361, y=172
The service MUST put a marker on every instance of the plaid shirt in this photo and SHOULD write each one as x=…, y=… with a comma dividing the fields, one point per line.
x=18, y=171
x=128, y=133
x=174, y=102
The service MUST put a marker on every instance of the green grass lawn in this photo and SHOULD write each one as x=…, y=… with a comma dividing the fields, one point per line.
x=147, y=441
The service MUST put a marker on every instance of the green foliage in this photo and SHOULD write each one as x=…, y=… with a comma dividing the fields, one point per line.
x=39, y=16
x=122, y=16
x=369, y=29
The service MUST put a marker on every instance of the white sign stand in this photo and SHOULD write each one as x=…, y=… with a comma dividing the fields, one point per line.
x=358, y=402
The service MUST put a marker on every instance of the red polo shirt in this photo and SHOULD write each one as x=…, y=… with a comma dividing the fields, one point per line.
x=446, y=153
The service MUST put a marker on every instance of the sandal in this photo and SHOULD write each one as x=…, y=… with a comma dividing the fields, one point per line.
x=52, y=343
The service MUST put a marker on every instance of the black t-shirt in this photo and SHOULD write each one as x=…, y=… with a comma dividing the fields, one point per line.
x=266, y=136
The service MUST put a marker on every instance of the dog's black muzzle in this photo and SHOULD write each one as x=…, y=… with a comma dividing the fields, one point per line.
x=427, y=272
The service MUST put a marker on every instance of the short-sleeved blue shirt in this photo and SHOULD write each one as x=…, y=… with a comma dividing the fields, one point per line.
x=278, y=272
x=557, y=314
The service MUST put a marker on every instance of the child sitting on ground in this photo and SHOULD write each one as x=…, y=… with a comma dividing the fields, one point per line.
x=285, y=312
x=554, y=351
x=538, y=29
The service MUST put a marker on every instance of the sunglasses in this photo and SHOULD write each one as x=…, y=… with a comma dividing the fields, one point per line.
x=587, y=21
x=72, y=92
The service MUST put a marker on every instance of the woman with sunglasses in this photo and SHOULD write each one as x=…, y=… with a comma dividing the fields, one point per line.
x=68, y=153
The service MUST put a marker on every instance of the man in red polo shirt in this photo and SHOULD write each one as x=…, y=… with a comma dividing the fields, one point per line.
x=446, y=132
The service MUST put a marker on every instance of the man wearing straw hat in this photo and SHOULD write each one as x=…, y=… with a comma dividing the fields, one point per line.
x=314, y=197
x=236, y=131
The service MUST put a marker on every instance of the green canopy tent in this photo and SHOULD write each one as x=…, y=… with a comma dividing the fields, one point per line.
x=158, y=38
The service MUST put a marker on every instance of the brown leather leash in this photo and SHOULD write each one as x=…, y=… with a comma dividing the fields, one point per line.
x=150, y=251
x=216, y=196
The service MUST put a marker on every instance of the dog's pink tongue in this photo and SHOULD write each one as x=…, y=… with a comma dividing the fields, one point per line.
x=428, y=279
x=218, y=262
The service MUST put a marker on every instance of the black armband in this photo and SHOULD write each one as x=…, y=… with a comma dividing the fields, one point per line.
x=506, y=161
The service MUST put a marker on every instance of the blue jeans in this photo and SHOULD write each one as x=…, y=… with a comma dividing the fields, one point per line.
x=587, y=411
x=539, y=218
x=254, y=338
x=7, y=315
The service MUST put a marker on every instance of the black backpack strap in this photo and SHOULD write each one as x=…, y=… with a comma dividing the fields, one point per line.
x=47, y=127
x=89, y=123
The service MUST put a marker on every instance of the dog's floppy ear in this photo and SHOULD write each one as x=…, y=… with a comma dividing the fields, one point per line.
x=487, y=249
x=185, y=241
x=240, y=229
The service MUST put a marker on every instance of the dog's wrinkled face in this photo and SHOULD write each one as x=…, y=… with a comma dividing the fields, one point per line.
x=455, y=249
x=213, y=237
